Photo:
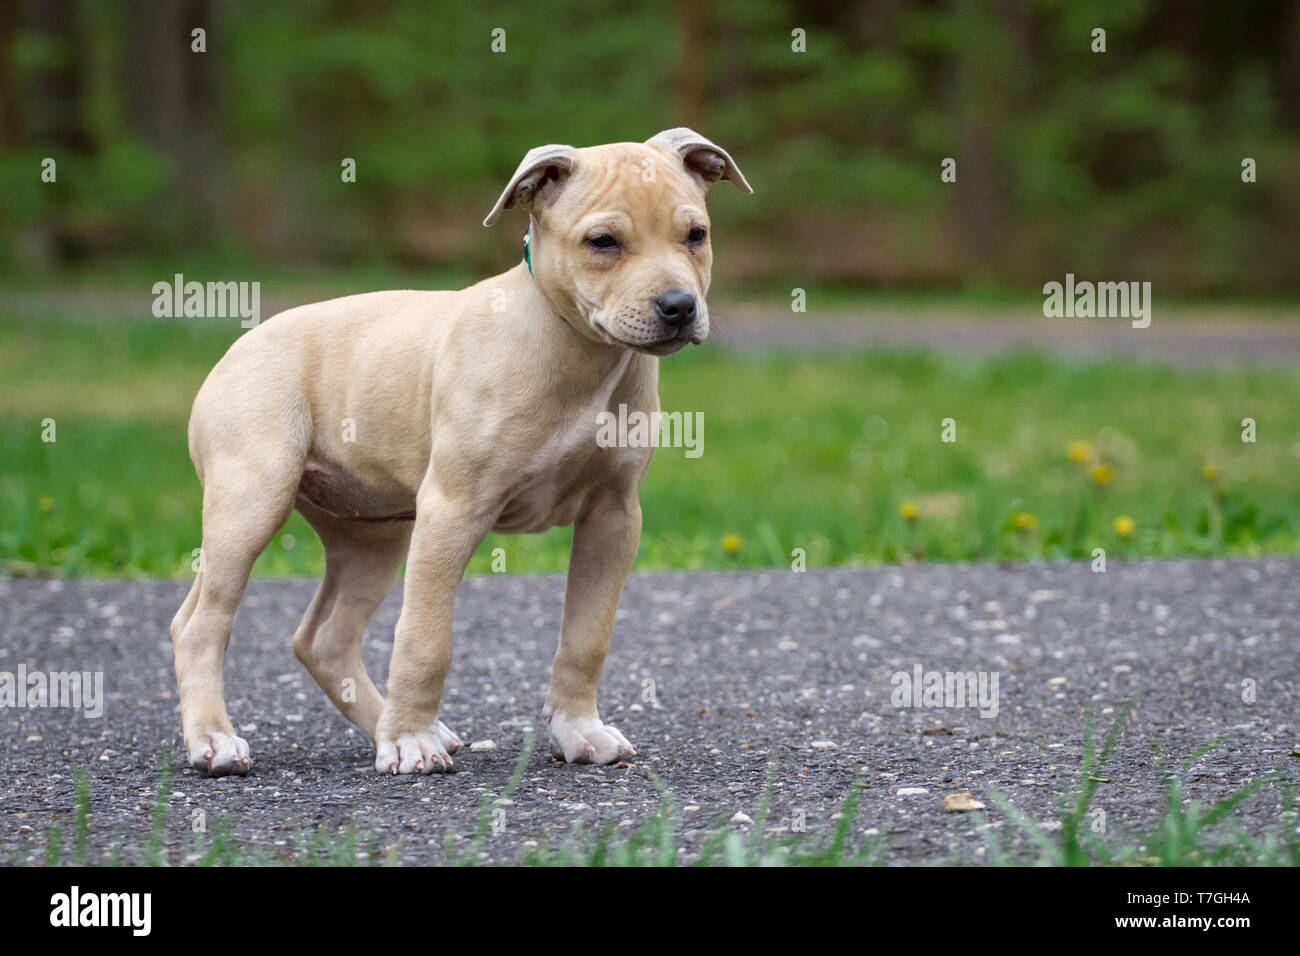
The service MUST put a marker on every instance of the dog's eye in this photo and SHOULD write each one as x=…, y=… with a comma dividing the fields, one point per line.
x=696, y=235
x=603, y=241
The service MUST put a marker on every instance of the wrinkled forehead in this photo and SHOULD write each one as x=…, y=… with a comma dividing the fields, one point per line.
x=640, y=181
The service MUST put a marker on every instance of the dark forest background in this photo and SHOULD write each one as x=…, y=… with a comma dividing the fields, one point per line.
x=1122, y=164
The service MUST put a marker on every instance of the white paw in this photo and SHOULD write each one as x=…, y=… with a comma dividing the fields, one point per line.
x=449, y=740
x=586, y=739
x=414, y=753
x=221, y=754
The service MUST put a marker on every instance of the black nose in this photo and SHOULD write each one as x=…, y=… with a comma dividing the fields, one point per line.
x=675, y=307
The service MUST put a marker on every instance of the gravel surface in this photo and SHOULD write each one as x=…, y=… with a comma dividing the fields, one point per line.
x=712, y=677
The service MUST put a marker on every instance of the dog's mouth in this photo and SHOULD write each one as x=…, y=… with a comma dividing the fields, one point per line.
x=674, y=343
x=693, y=333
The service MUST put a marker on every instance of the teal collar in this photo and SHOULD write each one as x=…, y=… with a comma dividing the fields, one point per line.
x=528, y=258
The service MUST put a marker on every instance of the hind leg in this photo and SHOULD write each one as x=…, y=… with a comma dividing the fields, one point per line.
x=361, y=563
x=244, y=503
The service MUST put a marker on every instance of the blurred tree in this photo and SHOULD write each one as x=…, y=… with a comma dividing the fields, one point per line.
x=1068, y=160
x=173, y=108
x=694, y=27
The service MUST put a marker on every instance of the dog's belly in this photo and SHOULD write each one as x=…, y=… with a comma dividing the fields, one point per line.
x=543, y=502
x=332, y=489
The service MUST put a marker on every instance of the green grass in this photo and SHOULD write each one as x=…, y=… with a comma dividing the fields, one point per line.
x=811, y=452
x=1185, y=834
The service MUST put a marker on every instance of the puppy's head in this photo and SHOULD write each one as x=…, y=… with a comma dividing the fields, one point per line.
x=619, y=235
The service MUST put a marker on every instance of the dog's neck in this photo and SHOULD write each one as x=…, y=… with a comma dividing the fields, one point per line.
x=580, y=361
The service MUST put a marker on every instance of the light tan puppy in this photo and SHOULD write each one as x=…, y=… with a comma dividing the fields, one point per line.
x=407, y=425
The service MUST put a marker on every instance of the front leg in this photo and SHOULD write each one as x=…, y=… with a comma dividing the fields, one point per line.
x=408, y=737
x=605, y=538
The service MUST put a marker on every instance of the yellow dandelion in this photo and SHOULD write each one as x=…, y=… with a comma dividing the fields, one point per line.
x=730, y=543
x=1124, y=526
x=45, y=503
x=1024, y=521
x=1209, y=473
x=908, y=511
x=1101, y=475
x=1079, y=452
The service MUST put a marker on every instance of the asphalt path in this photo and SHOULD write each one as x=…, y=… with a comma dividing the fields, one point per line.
x=727, y=683
x=1201, y=338
x=1183, y=335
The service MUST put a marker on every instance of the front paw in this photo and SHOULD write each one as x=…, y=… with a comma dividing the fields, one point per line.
x=413, y=753
x=449, y=740
x=586, y=739
x=218, y=755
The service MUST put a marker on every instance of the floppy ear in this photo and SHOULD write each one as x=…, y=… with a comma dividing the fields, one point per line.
x=541, y=173
x=701, y=156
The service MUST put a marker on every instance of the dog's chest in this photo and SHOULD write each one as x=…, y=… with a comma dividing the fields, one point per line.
x=546, y=499
x=556, y=477
x=553, y=482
